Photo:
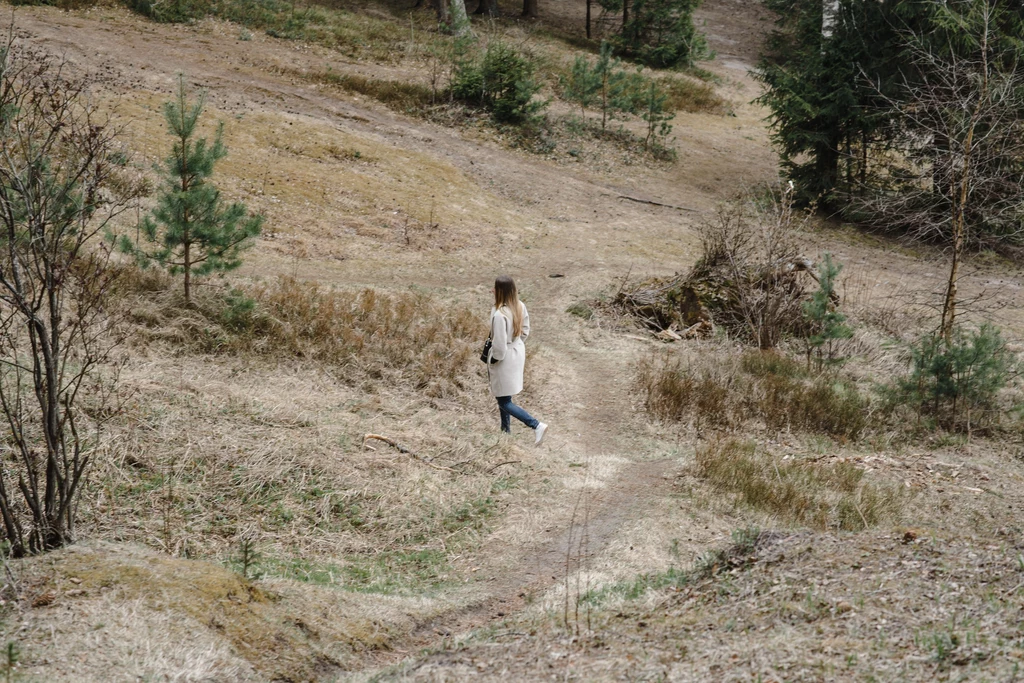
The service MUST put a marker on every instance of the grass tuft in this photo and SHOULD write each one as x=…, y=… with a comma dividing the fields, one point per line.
x=402, y=96
x=765, y=386
x=832, y=495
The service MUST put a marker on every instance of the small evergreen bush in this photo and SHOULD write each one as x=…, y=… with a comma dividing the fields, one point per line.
x=605, y=85
x=827, y=326
x=501, y=80
x=957, y=381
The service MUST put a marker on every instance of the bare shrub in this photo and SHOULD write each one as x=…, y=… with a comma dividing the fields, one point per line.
x=749, y=246
x=406, y=338
x=833, y=495
x=748, y=279
x=57, y=196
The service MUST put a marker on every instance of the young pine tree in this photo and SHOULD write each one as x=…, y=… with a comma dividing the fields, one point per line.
x=193, y=231
x=661, y=34
x=827, y=324
x=655, y=113
x=582, y=84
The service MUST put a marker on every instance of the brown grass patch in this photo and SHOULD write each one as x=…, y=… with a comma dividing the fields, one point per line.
x=727, y=393
x=407, y=338
x=400, y=95
x=691, y=96
x=830, y=495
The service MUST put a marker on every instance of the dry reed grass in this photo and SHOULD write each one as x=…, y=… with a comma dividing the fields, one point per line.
x=366, y=336
x=823, y=496
x=726, y=393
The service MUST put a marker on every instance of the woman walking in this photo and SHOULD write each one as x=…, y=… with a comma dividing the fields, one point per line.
x=510, y=326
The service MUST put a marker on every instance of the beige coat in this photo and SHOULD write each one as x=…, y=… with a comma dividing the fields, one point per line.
x=506, y=376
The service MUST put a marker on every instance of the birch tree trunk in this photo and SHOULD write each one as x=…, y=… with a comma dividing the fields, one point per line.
x=829, y=14
x=459, y=20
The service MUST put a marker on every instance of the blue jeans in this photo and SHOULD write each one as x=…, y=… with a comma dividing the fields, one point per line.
x=507, y=408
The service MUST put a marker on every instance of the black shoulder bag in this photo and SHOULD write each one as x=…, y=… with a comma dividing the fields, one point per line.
x=486, y=352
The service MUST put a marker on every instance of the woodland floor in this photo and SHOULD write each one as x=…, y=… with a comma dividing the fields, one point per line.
x=936, y=596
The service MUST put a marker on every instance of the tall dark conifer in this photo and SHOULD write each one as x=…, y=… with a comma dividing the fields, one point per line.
x=823, y=88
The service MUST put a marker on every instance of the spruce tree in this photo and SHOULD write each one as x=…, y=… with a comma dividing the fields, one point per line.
x=825, y=88
x=661, y=34
x=840, y=87
x=193, y=230
x=827, y=325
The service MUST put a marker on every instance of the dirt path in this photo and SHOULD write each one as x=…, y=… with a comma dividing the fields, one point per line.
x=599, y=511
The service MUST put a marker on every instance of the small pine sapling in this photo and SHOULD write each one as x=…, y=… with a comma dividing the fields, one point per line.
x=582, y=84
x=617, y=89
x=655, y=113
x=827, y=325
x=194, y=232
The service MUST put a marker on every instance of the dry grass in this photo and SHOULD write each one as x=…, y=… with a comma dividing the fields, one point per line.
x=210, y=453
x=691, y=96
x=246, y=425
x=795, y=606
x=403, y=96
x=116, y=611
x=366, y=336
x=823, y=496
x=725, y=392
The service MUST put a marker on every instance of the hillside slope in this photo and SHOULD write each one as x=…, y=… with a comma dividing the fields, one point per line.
x=473, y=548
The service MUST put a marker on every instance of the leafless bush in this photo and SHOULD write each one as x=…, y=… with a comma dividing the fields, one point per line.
x=750, y=243
x=56, y=175
x=748, y=279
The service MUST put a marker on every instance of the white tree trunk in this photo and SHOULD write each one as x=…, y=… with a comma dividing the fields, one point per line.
x=459, y=17
x=829, y=15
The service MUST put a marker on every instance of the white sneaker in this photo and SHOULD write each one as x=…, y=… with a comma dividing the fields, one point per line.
x=541, y=428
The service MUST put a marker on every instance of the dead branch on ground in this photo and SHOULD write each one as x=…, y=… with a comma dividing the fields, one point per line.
x=403, y=449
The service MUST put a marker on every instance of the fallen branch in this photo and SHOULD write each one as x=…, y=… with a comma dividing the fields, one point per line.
x=507, y=462
x=653, y=203
x=402, y=449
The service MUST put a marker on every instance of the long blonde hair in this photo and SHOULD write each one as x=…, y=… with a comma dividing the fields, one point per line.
x=505, y=294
